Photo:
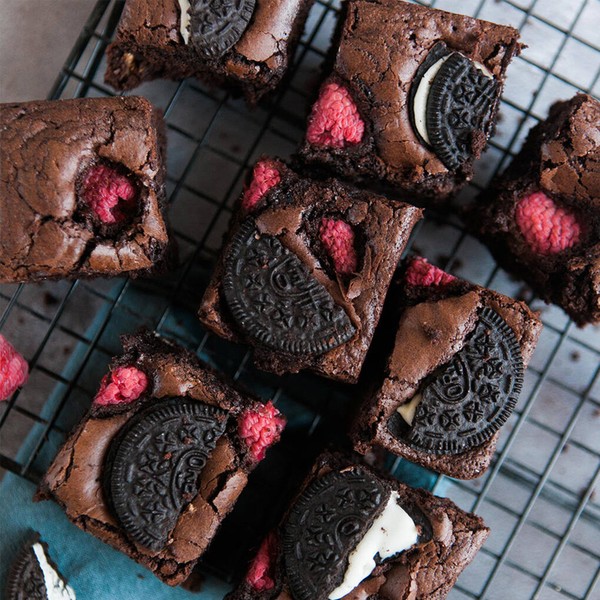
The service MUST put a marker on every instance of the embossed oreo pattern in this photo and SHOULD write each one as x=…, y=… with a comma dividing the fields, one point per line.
x=461, y=101
x=468, y=399
x=25, y=580
x=153, y=466
x=325, y=524
x=216, y=25
x=274, y=299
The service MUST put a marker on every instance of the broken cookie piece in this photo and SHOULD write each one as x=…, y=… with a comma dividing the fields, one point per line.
x=82, y=189
x=161, y=457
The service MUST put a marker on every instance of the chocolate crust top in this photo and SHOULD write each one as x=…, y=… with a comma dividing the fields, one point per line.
x=46, y=147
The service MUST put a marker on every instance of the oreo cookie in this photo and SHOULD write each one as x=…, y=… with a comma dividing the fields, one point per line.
x=216, y=25
x=325, y=525
x=274, y=299
x=33, y=576
x=451, y=99
x=154, y=463
x=466, y=401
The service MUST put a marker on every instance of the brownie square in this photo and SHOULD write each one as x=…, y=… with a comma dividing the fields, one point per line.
x=161, y=457
x=411, y=98
x=453, y=371
x=541, y=217
x=427, y=540
x=247, y=45
x=304, y=271
x=82, y=189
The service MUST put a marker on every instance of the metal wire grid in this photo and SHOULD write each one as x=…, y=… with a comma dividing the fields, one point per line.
x=538, y=495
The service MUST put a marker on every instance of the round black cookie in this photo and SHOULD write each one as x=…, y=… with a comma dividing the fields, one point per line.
x=461, y=102
x=275, y=300
x=466, y=401
x=323, y=527
x=152, y=468
x=216, y=25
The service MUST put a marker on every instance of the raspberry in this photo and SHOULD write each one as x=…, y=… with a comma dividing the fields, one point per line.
x=123, y=385
x=259, y=576
x=261, y=428
x=264, y=176
x=14, y=369
x=108, y=193
x=338, y=239
x=334, y=120
x=420, y=272
x=547, y=228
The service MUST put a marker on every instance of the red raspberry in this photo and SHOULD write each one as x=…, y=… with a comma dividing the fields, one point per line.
x=259, y=575
x=547, y=228
x=108, y=193
x=14, y=369
x=420, y=272
x=264, y=176
x=261, y=428
x=334, y=120
x=123, y=385
x=338, y=239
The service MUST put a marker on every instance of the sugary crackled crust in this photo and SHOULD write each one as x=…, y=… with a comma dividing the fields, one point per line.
x=426, y=572
x=283, y=211
x=46, y=145
x=382, y=43
x=561, y=157
x=428, y=335
x=74, y=478
x=149, y=44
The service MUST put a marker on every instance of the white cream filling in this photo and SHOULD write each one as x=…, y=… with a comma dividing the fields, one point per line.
x=419, y=106
x=55, y=586
x=184, y=20
x=391, y=532
x=407, y=411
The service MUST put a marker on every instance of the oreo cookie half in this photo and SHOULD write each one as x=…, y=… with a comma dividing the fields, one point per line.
x=216, y=25
x=33, y=576
x=153, y=466
x=451, y=99
x=466, y=401
x=274, y=299
x=325, y=524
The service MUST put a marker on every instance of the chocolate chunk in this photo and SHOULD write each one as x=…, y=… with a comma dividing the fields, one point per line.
x=216, y=25
x=468, y=399
x=325, y=525
x=275, y=300
x=460, y=103
x=32, y=571
x=152, y=468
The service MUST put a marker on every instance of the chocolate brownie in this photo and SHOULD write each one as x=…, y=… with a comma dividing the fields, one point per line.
x=304, y=271
x=453, y=375
x=161, y=457
x=354, y=533
x=246, y=45
x=412, y=97
x=541, y=217
x=34, y=576
x=82, y=189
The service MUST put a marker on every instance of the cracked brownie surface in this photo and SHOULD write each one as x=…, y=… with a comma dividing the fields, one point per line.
x=448, y=540
x=150, y=44
x=378, y=51
x=428, y=327
x=347, y=243
x=228, y=434
x=82, y=189
x=541, y=217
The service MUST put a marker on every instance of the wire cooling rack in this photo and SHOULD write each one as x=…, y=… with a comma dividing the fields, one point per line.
x=539, y=495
